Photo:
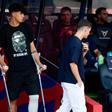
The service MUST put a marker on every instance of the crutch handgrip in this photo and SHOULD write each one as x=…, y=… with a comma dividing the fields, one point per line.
x=7, y=94
x=40, y=81
x=4, y=68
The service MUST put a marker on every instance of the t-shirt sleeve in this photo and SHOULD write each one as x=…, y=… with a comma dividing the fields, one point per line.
x=30, y=33
x=74, y=54
x=2, y=38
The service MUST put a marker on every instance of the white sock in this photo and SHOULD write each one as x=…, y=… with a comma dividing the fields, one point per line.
x=33, y=103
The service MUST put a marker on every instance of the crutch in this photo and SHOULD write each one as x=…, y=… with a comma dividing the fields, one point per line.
x=42, y=94
x=49, y=62
x=40, y=82
x=7, y=94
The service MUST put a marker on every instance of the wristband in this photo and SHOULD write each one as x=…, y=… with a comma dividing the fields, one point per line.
x=34, y=51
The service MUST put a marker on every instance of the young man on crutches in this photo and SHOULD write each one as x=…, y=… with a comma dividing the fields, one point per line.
x=16, y=38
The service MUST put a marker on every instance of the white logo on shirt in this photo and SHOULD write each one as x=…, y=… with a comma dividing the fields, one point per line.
x=104, y=33
x=19, y=44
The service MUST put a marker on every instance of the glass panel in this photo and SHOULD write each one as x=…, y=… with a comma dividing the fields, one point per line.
x=75, y=6
x=103, y=3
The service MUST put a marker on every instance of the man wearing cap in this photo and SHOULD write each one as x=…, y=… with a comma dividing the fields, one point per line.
x=17, y=38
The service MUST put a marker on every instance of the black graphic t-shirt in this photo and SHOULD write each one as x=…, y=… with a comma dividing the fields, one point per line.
x=16, y=42
x=103, y=34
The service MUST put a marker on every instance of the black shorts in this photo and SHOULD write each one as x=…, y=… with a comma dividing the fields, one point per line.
x=16, y=81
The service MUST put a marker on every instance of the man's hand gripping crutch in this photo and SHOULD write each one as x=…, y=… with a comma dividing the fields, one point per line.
x=4, y=68
x=40, y=67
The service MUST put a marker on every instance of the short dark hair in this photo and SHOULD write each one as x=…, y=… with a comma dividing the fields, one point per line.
x=84, y=22
x=98, y=11
x=65, y=9
x=15, y=7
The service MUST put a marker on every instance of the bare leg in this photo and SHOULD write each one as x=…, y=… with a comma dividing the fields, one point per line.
x=14, y=106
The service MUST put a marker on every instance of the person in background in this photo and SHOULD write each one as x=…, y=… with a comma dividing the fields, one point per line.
x=71, y=70
x=102, y=31
x=16, y=38
x=64, y=27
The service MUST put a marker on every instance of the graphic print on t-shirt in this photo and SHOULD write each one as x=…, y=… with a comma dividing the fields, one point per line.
x=104, y=33
x=19, y=44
